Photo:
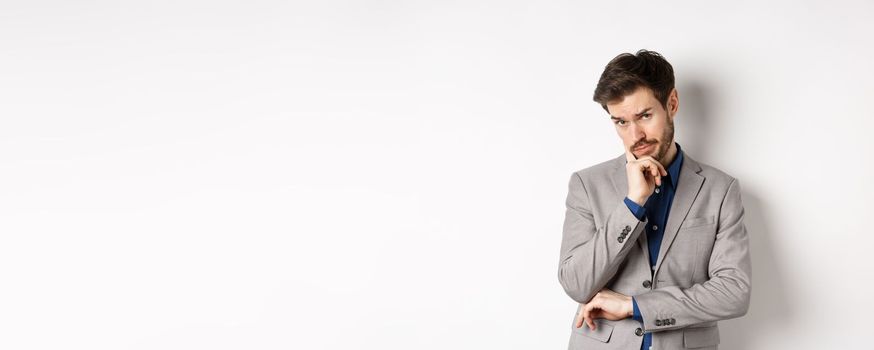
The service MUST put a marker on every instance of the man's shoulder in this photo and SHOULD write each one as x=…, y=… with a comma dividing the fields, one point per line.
x=600, y=170
x=716, y=179
x=715, y=176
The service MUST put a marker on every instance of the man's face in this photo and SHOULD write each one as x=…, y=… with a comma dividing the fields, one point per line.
x=644, y=125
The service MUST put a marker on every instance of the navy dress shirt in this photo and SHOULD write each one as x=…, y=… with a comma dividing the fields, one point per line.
x=656, y=210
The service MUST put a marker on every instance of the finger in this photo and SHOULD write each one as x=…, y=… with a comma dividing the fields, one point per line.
x=590, y=321
x=657, y=169
x=578, y=322
x=585, y=313
x=644, y=166
x=653, y=170
x=629, y=156
x=661, y=167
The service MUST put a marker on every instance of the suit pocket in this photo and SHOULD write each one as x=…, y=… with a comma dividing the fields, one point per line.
x=700, y=337
x=695, y=222
x=602, y=331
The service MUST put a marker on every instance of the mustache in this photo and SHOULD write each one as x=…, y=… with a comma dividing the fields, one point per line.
x=643, y=143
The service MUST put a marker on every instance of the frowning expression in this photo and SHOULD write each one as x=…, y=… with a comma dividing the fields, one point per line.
x=645, y=126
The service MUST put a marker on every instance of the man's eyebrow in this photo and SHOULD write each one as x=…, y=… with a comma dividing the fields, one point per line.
x=643, y=111
x=639, y=114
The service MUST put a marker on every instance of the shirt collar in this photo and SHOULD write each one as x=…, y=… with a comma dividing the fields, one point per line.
x=674, y=167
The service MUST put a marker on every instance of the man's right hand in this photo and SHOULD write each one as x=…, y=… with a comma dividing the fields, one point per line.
x=643, y=175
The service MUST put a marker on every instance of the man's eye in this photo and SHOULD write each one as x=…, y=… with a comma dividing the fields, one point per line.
x=620, y=122
x=647, y=115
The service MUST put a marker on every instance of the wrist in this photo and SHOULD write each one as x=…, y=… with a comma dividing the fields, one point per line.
x=629, y=307
x=638, y=200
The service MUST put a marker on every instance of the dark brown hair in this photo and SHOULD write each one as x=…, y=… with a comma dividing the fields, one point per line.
x=627, y=72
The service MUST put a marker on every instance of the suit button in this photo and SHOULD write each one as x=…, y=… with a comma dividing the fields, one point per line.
x=627, y=228
x=638, y=332
x=673, y=321
x=658, y=322
x=621, y=239
x=647, y=284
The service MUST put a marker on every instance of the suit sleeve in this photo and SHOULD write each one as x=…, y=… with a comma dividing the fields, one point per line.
x=725, y=295
x=592, y=253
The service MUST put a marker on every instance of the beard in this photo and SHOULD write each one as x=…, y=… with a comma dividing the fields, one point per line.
x=662, y=146
x=668, y=138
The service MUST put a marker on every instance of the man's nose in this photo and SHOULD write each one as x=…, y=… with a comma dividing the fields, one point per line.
x=637, y=132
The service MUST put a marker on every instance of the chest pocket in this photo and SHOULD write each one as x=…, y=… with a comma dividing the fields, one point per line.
x=695, y=222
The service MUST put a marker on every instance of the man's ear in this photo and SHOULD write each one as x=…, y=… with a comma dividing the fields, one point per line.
x=673, y=103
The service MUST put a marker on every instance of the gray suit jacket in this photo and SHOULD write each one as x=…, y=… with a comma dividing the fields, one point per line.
x=702, y=274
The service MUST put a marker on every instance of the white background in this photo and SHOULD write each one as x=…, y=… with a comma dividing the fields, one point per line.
x=392, y=174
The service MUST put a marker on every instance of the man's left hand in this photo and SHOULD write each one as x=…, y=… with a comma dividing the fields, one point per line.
x=606, y=304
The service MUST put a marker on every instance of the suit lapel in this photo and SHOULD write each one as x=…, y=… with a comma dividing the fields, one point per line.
x=687, y=190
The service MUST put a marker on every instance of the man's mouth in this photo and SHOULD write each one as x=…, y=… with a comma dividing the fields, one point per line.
x=644, y=147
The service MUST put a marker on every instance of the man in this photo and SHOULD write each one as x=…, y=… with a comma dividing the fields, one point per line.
x=653, y=247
